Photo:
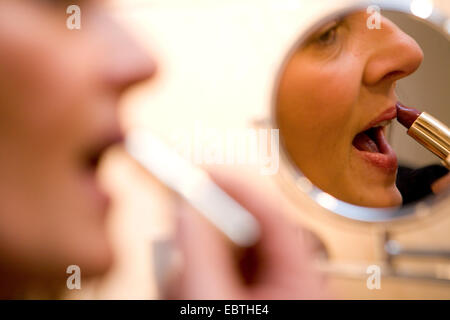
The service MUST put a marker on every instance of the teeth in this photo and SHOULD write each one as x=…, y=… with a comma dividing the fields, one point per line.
x=383, y=123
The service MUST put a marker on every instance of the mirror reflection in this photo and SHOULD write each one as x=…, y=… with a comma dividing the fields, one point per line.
x=337, y=108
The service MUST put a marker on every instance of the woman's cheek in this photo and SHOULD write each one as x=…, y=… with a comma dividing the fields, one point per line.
x=333, y=93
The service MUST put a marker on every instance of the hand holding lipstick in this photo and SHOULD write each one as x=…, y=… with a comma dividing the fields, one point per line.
x=277, y=267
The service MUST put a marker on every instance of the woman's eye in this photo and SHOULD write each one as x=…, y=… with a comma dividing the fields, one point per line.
x=328, y=37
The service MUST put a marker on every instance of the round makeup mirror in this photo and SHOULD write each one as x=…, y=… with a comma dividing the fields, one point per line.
x=335, y=105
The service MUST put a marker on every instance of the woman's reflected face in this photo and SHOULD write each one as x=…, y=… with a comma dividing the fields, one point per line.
x=335, y=96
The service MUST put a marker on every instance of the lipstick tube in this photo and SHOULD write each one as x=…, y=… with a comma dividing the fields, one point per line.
x=433, y=135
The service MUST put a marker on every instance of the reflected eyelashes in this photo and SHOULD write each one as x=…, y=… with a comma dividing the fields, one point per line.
x=328, y=37
x=328, y=41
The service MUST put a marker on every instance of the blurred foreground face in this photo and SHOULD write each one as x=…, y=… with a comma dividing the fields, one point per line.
x=58, y=95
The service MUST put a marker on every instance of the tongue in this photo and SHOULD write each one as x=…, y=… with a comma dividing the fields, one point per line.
x=364, y=143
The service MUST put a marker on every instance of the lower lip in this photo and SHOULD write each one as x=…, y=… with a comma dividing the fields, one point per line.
x=101, y=199
x=386, y=159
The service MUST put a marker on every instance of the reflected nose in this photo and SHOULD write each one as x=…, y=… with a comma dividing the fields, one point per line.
x=395, y=55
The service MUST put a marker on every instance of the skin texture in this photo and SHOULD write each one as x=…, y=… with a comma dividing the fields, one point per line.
x=331, y=89
x=59, y=91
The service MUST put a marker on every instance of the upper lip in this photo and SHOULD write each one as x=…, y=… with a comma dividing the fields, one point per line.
x=388, y=114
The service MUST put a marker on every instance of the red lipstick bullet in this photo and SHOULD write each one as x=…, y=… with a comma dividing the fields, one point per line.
x=406, y=115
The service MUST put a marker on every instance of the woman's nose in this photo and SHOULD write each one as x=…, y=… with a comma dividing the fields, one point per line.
x=128, y=63
x=135, y=67
x=394, y=55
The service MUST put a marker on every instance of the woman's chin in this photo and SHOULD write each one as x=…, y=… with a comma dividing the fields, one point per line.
x=98, y=261
x=94, y=259
x=378, y=193
x=383, y=198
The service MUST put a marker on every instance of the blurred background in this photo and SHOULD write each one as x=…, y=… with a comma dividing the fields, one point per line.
x=216, y=65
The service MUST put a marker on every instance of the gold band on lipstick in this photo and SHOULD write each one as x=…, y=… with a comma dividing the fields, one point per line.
x=433, y=135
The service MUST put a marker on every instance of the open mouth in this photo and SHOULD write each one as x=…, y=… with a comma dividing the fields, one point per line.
x=373, y=139
x=90, y=160
x=372, y=146
x=94, y=155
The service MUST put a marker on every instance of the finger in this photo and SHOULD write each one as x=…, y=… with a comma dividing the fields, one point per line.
x=441, y=184
x=209, y=269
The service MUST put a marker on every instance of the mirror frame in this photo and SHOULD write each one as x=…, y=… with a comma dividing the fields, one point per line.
x=294, y=180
